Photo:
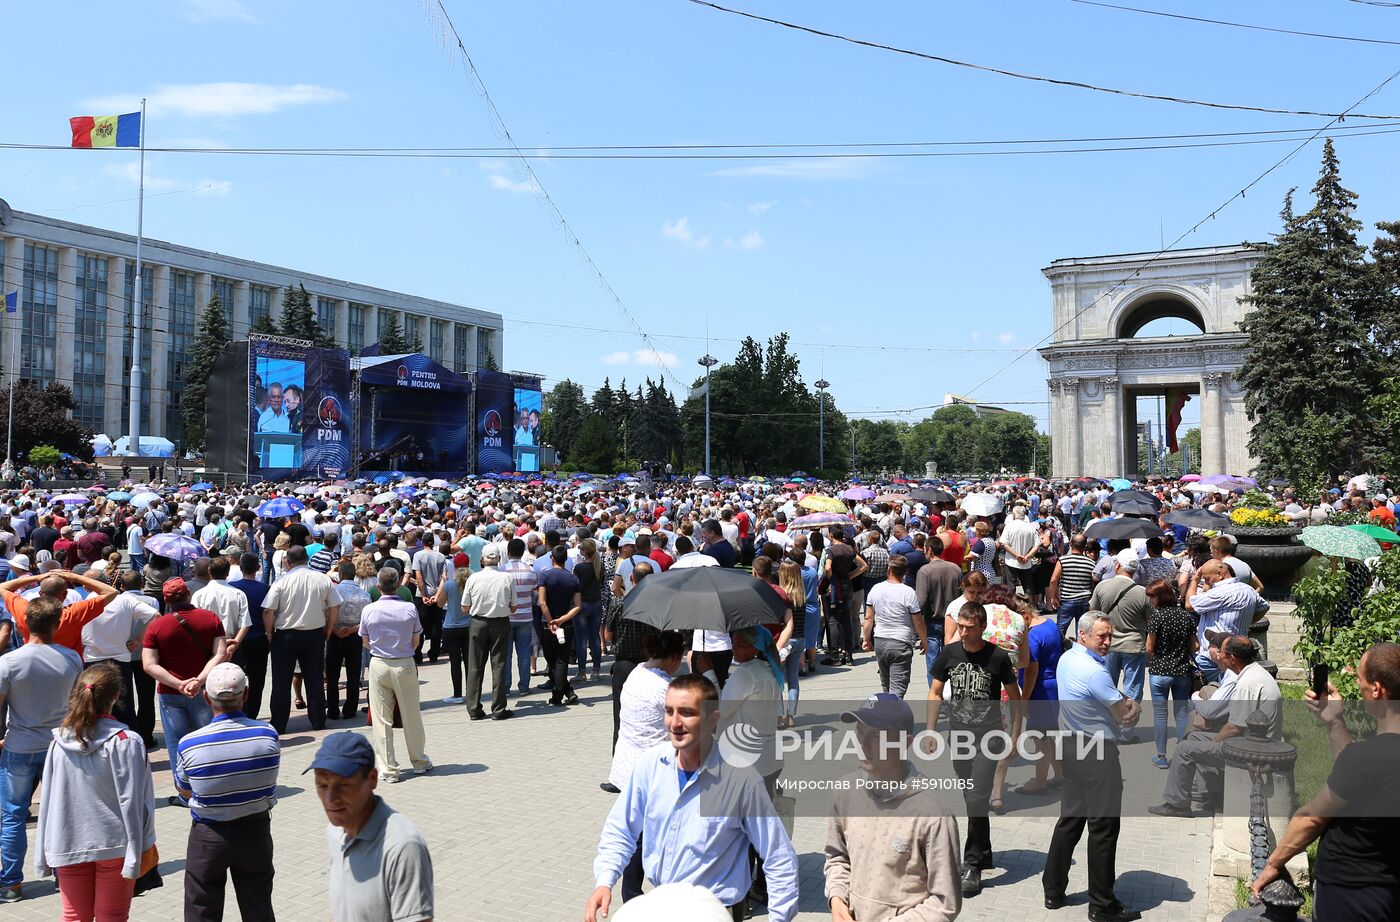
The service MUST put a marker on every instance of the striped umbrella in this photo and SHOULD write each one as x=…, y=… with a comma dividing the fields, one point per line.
x=1336, y=541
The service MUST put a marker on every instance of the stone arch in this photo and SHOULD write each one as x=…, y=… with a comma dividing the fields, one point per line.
x=1155, y=303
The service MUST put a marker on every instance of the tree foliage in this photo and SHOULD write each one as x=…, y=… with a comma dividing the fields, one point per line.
x=565, y=411
x=595, y=448
x=42, y=418
x=490, y=363
x=299, y=320
x=1317, y=337
x=264, y=326
x=391, y=338
x=208, y=345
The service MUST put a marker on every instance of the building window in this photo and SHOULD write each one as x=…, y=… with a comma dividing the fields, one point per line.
x=461, y=342
x=325, y=315
x=436, y=340
x=357, y=326
x=224, y=290
x=89, y=341
x=39, y=300
x=412, y=330
x=483, y=348
x=181, y=336
x=259, y=303
x=148, y=281
x=384, y=315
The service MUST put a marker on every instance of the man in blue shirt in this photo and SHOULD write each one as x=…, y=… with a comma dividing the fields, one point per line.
x=715, y=546
x=227, y=770
x=251, y=655
x=1091, y=710
x=695, y=816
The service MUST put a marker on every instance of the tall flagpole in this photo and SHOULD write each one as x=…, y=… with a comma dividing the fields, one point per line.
x=138, y=297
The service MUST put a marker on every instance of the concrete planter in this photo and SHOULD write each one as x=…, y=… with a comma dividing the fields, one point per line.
x=1275, y=556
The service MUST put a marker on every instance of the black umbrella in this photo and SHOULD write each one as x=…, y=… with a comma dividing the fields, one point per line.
x=1198, y=518
x=932, y=495
x=703, y=598
x=507, y=498
x=1134, y=502
x=1125, y=527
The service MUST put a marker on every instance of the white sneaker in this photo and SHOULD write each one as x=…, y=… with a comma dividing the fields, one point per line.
x=453, y=700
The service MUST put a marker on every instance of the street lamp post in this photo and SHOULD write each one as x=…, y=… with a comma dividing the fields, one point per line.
x=822, y=385
x=709, y=361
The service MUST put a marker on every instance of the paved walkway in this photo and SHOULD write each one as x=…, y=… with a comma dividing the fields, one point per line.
x=512, y=813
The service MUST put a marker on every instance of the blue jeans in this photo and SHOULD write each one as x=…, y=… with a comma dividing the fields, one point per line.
x=180, y=715
x=1179, y=687
x=138, y=562
x=1209, y=669
x=1131, y=667
x=588, y=624
x=19, y=776
x=1070, y=611
x=792, y=668
x=522, y=636
x=935, y=646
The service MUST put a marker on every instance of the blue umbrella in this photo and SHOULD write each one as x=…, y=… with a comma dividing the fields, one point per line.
x=1120, y=484
x=119, y=496
x=202, y=485
x=143, y=500
x=381, y=478
x=175, y=546
x=397, y=475
x=279, y=506
x=406, y=491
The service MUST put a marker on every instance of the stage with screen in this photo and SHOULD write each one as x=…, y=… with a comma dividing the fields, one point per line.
x=298, y=427
x=414, y=415
x=526, y=450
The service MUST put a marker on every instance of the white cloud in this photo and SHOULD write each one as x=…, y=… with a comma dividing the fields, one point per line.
x=847, y=168
x=219, y=99
x=510, y=185
x=131, y=172
x=753, y=240
x=1005, y=338
x=492, y=166
x=679, y=230
x=759, y=207
x=217, y=10
x=974, y=335
x=644, y=357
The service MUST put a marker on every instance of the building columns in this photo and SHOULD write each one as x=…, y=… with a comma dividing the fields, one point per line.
x=67, y=315
x=118, y=335
x=1065, y=425
x=155, y=385
x=1212, y=423
x=238, y=311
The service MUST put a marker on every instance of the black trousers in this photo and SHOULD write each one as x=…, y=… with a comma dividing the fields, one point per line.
x=241, y=848
x=251, y=657
x=556, y=657
x=144, y=704
x=980, y=771
x=621, y=669
x=489, y=640
x=304, y=652
x=456, y=640
x=343, y=652
x=431, y=616
x=1093, y=797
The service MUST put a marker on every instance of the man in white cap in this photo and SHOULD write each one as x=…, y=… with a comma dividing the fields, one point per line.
x=227, y=771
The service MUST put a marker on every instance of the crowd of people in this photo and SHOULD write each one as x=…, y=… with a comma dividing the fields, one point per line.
x=1021, y=619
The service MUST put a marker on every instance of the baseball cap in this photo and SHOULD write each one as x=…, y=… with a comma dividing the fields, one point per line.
x=882, y=711
x=644, y=531
x=1127, y=559
x=1216, y=638
x=233, y=551
x=173, y=588
x=226, y=681
x=343, y=754
x=20, y=562
x=491, y=553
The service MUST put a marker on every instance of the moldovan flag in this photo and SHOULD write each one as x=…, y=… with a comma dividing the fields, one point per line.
x=106, y=130
x=1176, y=401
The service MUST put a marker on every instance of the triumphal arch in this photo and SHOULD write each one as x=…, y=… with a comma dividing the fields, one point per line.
x=1107, y=349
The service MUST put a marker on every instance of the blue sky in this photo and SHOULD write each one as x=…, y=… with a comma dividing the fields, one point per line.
x=875, y=258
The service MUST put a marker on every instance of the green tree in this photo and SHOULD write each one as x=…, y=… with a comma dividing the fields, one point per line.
x=565, y=411
x=209, y=342
x=1044, y=456
x=595, y=449
x=490, y=363
x=1314, y=308
x=264, y=326
x=1004, y=440
x=42, y=417
x=954, y=442
x=416, y=343
x=878, y=445
x=298, y=320
x=42, y=455
x=391, y=338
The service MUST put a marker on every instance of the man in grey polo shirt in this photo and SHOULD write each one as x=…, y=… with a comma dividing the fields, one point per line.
x=380, y=866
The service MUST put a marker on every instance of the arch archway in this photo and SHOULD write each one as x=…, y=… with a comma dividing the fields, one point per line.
x=1153, y=306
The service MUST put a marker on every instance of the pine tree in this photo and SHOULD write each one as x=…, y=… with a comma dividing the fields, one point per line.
x=565, y=412
x=298, y=320
x=1314, y=304
x=208, y=345
x=391, y=338
x=490, y=363
x=264, y=326
x=416, y=344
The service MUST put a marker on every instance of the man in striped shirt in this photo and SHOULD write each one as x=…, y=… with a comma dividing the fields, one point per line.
x=227, y=770
x=522, y=621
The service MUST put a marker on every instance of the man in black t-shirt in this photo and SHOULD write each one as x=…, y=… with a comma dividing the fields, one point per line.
x=843, y=567
x=558, y=602
x=1357, y=813
x=975, y=672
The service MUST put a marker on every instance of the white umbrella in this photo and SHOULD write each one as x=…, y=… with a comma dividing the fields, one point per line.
x=983, y=504
x=383, y=498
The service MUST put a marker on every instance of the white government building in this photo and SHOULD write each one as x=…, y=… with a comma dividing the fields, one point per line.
x=74, y=318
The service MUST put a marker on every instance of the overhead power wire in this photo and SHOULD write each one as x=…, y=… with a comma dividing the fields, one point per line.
x=1184, y=234
x=984, y=68
x=1238, y=25
x=1384, y=3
